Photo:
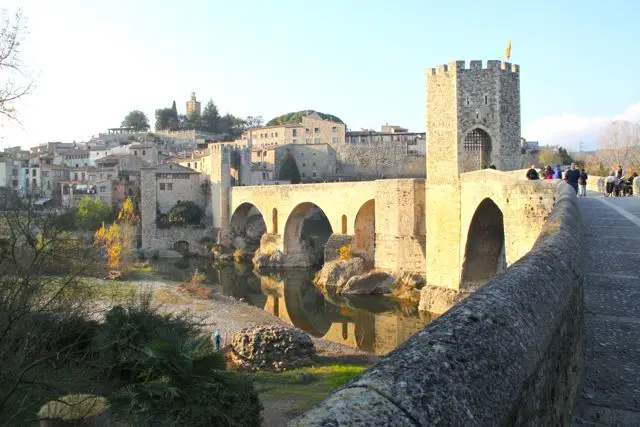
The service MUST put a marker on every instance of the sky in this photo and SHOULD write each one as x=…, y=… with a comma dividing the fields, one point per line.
x=364, y=61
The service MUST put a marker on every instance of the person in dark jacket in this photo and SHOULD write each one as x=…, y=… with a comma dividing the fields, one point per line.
x=532, y=173
x=572, y=176
x=582, y=183
x=557, y=172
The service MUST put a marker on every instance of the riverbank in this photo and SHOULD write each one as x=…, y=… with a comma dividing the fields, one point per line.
x=284, y=395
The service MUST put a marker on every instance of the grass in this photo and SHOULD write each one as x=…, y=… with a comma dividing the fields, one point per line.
x=303, y=387
x=109, y=290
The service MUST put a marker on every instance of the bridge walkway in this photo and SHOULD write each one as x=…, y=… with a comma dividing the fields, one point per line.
x=610, y=390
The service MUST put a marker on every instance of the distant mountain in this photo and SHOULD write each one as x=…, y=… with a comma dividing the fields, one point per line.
x=295, y=118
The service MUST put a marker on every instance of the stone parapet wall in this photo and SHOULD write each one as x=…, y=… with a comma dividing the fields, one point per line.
x=382, y=159
x=509, y=354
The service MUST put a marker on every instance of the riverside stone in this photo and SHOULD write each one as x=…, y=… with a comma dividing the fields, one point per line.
x=272, y=347
x=370, y=283
x=333, y=275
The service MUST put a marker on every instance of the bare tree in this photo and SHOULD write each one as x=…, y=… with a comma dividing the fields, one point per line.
x=620, y=145
x=42, y=302
x=15, y=81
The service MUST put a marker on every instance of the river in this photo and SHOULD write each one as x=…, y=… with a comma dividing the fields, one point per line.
x=375, y=324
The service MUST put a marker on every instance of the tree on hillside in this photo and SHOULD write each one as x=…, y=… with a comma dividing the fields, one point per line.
x=137, y=120
x=174, y=112
x=252, y=122
x=289, y=169
x=620, y=144
x=15, y=82
x=210, y=120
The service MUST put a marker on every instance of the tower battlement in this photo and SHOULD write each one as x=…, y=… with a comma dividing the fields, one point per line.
x=474, y=65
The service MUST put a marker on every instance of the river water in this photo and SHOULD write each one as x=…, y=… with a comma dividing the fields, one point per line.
x=374, y=324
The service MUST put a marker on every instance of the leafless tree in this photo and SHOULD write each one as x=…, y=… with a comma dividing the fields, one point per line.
x=42, y=302
x=620, y=145
x=15, y=81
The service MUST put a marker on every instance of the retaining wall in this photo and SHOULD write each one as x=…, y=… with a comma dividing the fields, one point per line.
x=510, y=354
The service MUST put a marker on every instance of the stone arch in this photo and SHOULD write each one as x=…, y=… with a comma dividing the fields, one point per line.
x=484, y=252
x=181, y=246
x=305, y=234
x=344, y=224
x=477, y=150
x=364, y=237
x=247, y=227
x=274, y=220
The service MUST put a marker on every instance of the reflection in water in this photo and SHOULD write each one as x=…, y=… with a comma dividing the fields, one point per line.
x=373, y=323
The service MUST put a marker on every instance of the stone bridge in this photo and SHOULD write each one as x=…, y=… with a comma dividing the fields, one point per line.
x=497, y=221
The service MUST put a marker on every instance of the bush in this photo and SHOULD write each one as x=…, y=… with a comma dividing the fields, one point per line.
x=92, y=213
x=175, y=376
x=185, y=213
x=345, y=253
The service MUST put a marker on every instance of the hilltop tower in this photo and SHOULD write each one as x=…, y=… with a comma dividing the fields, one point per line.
x=193, y=106
x=473, y=121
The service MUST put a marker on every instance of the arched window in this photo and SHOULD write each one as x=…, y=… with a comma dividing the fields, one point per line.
x=344, y=224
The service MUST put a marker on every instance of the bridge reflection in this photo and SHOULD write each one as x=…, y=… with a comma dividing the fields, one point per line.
x=374, y=324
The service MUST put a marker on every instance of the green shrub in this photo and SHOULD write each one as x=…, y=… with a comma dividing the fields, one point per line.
x=92, y=213
x=185, y=213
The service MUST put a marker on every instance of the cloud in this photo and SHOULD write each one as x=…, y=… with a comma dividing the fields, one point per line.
x=569, y=130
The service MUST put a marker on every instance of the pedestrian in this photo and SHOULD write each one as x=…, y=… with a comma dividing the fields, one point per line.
x=532, y=173
x=548, y=173
x=582, y=183
x=557, y=172
x=573, y=176
x=618, y=172
x=217, y=339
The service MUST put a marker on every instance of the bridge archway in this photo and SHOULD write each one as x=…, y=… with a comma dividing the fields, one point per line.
x=363, y=243
x=476, y=150
x=484, y=252
x=306, y=233
x=247, y=227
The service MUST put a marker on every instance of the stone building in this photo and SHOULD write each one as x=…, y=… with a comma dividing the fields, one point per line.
x=145, y=151
x=311, y=130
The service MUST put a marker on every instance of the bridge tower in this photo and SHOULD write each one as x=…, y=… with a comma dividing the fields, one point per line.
x=472, y=122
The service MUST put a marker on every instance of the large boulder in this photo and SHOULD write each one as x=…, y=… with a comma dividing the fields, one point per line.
x=373, y=282
x=335, y=274
x=272, y=347
x=270, y=259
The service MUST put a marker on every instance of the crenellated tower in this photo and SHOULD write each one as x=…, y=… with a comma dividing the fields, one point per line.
x=473, y=121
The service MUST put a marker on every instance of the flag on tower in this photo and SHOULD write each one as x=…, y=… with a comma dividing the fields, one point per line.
x=509, y=50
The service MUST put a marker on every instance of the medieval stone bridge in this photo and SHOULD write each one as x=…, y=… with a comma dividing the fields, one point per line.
x=500, y=217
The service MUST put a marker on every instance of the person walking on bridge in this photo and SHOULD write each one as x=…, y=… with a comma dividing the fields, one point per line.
x=573, y=176
x=557, y=172
x=582, y=182
x=532, y=173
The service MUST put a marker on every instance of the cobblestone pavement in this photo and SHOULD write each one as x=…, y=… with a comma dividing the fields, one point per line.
x=610, y=389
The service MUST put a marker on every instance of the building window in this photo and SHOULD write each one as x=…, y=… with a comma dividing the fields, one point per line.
x=316, y=130
x=276, y=134
x=295, y=132
x=316, y=140
x=304, y=175
x=294, y=141
x=162, y=186
x=196, y=165
x=33, y=172
x=314, y=174
x=314, y=163
x=169, y=186
x=189, y=165
x=144, y=152
x=334, y=129
x=304, y=164
x=135, y=153
x=486, y=100
x=307, y=141
x=103, y=188
x=334, y=140
x=467, y=100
